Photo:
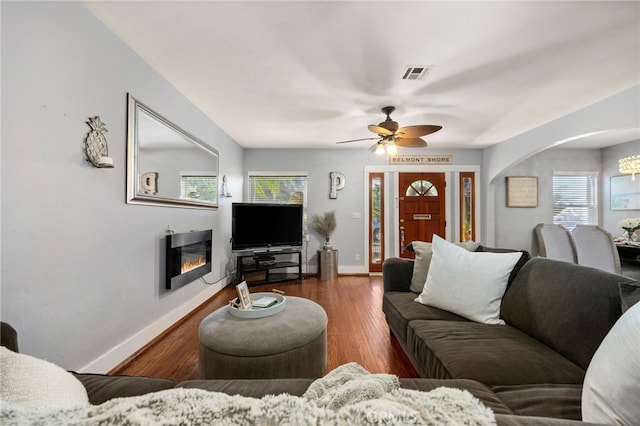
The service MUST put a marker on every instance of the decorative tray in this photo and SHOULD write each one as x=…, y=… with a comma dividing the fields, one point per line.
x=255, y=312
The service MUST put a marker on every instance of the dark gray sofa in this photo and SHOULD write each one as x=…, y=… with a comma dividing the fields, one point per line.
x=556, y=315
x=511, y=408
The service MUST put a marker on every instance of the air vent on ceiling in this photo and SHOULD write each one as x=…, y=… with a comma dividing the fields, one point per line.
x=415, y=72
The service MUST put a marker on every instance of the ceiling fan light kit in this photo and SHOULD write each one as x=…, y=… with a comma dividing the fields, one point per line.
x=391, y=136
x=388, y=148
x=385, y=147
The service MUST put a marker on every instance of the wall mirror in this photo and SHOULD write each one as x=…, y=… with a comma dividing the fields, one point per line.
x=165, y=164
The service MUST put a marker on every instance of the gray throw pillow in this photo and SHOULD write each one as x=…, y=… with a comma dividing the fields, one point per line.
x=523, y=259
x=629, y=294
x=422, y=262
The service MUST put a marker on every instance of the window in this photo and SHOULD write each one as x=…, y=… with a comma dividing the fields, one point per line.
x=376, y=221
x=279, y=188
x=575, y=199
x=199, y=186
x=420, y=188
x=467, y=218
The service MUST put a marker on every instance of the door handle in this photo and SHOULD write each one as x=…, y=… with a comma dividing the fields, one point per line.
x=401, y=239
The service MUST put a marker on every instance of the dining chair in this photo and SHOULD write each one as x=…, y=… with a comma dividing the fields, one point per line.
x=555, y=242
x=595, y=247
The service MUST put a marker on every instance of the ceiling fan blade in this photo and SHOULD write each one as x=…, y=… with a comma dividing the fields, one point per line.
x=357, y=140
x=380, y=130
x=411, y=142
x=417, y=131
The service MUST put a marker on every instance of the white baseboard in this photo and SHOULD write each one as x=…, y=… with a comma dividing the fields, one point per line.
x=119, y=353
x=347, y=269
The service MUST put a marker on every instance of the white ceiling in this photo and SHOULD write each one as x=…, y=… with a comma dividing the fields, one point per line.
x=310, y=73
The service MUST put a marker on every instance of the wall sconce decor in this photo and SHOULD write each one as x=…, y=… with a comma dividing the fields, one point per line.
x=95, y=144
x=224, y=189
x=629, y=165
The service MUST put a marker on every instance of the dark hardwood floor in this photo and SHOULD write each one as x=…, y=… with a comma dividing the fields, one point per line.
x=357, y=330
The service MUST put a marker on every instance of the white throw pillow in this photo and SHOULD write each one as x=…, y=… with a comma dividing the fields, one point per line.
x=470, y=284
x=611, y=388
x=423, y=252
x=38, y=384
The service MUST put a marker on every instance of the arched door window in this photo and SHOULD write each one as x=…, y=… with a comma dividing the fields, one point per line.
x=421, y=188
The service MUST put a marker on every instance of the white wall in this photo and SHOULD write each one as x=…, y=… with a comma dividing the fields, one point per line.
x=80, y=267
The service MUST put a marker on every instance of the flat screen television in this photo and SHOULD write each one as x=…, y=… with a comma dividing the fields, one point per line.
x=256, y=226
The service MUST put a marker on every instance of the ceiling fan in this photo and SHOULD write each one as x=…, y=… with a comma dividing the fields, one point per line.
x=390, y=136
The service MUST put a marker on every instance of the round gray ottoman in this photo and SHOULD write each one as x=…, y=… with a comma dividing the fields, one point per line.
x=291, y=343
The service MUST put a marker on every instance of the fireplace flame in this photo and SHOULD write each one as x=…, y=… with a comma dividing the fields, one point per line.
x=188, y=265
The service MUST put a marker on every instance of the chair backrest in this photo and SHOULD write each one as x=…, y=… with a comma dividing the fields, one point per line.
x=595, y=248
x=555, y=242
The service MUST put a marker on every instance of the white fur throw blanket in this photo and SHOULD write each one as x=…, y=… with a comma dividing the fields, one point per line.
x=348, y=395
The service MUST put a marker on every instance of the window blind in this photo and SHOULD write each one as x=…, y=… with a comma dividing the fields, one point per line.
x=575, y=199
x=283, y=189
x=279, y=188
x=198, y=187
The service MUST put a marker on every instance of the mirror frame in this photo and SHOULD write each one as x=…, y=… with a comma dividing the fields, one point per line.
x=134, y=196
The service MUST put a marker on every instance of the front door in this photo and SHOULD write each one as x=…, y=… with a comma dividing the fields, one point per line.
x=421, y=208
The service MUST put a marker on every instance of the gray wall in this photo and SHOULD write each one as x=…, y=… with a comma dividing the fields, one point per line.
x=514, y=227
x=610, y=157
x=619, y=111
x=529, y=154
x=80, y=267
x=349, y=237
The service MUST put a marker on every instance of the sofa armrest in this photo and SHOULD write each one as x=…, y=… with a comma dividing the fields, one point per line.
x=253, y=388
x=102, y=387
x=397, y=273
x=8, y=337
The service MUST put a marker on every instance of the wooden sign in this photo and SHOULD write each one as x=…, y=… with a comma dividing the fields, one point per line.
x=522, y=191
x=426, y=160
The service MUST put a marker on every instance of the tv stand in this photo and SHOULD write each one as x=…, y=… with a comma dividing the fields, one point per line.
x=266, y=261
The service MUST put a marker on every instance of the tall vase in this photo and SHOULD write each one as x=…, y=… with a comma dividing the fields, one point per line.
x=630, y=236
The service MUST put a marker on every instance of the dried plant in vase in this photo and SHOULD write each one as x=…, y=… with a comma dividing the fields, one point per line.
x=324, y=224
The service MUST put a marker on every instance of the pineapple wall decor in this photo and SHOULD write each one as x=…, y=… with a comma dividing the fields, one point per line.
x=95, y=144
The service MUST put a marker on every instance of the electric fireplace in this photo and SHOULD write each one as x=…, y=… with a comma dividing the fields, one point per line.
x=188, y=257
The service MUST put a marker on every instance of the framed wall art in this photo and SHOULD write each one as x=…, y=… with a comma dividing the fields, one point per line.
x=625, y=193
x=522, y=191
